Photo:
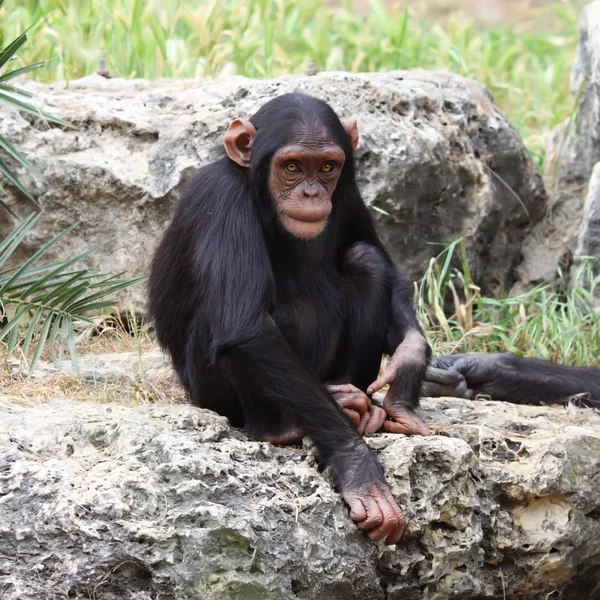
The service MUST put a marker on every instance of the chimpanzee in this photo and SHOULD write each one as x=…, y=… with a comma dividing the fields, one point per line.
x=507, y=377
x=276, y=300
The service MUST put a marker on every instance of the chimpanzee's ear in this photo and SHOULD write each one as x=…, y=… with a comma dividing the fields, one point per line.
x=238, y=141
x=352, y=131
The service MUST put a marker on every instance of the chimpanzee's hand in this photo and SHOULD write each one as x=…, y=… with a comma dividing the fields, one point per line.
x=465, y=375
x=372, y=506
x=365, y=417
x=440, y=381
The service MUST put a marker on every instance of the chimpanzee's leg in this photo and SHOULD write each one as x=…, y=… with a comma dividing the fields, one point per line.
x=365, y=308
x=370, y=329
x=365, y=316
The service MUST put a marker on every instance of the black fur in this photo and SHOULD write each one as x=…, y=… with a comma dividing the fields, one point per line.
x=518, y=380
x=257, y=321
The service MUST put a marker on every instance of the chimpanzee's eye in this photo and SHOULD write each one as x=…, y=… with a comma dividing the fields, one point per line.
x=327, y=168
x=293, y=167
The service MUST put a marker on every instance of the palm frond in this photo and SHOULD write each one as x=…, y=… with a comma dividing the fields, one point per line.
x=8, y=97
x=42, y=312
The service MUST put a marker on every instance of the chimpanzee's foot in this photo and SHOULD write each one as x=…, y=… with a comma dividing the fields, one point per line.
x=286, y=438
x=402, y=419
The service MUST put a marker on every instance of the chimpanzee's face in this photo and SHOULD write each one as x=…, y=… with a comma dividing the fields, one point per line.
x=302, y=180
x=302, y=176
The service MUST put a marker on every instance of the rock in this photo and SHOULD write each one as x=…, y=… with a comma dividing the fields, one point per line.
x=573, y=150
x=575, y=156
x=588, y=235
x=435, y=154
x=106, y=502
x=109, y=367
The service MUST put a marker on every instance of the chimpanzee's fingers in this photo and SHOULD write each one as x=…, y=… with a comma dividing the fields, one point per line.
x=364, y=422
x=358, y=511
x=404, y=420
x=386, y=378
x=444, y=376
x=393, y=522
x=397, y=532
x=406, y=428
x=374, y=515
x=355, y=417
x=359, y=402
x=460, y=390
x=377, y=418
x=445, y=362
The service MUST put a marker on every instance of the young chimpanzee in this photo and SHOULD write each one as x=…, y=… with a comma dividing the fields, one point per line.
x=512, y=379
x=276, y=300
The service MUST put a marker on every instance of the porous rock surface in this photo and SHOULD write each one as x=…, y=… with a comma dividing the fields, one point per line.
x=435, y=153
x=570, y=231
x=168, y=502
x=572, y=159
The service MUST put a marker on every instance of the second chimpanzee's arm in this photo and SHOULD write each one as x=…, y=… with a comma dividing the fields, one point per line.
x=510, y=378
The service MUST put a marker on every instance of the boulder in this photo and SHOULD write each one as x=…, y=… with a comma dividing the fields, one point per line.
x=587, y=240
x=575, y=146
x=435, y=154
x=568, y=230
x=111, y=502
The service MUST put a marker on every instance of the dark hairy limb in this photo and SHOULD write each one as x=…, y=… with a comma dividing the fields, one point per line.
x=404, y=374
x=264, y=365
x=375, y=289
x=512, y=379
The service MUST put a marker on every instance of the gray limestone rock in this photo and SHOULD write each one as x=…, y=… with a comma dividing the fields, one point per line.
x=435, y=154
x=572, y=153
x=588, y=235
x=168, y=502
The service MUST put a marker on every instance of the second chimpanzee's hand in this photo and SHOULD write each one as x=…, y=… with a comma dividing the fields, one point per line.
x=466, y=375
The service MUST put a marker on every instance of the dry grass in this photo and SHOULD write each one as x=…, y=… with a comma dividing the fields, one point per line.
x=26, y=391
x=110, y=334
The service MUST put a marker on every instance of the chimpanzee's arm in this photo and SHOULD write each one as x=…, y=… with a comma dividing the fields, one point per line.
x=406, y=345
x=409, y=355
x=512, y=379
x=261, y=362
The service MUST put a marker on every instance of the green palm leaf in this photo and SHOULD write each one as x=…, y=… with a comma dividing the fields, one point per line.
x=40, y=312
x=7, y=96
x=40, y=304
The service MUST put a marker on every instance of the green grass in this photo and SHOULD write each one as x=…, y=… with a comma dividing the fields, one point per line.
x=545, y=322
x=525, y=66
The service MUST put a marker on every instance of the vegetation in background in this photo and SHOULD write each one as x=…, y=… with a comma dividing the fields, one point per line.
x=544, y=322
x=526, y=66
x=39, y=305
x=12, y=95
